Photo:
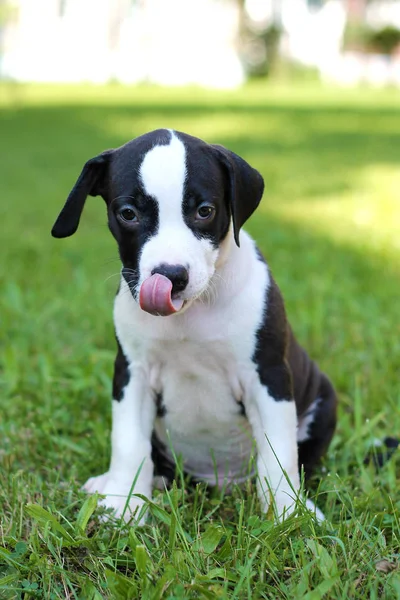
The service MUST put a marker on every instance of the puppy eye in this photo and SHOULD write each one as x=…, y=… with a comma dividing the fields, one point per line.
x=126, y=213
x=205, y=211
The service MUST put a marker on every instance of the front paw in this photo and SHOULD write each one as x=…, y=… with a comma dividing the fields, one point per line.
x=118, y=497
x=284, y=501
x=281, y=498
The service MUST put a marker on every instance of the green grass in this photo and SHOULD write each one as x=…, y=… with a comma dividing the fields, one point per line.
x=329, y=226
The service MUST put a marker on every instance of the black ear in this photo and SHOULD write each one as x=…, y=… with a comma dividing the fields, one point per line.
x=90, y=182
x=246, y=187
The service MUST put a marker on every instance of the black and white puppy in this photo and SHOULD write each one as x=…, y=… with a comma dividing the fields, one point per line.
x=207, y=367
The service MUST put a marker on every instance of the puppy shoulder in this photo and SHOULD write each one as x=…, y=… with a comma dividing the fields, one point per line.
x=272, y=337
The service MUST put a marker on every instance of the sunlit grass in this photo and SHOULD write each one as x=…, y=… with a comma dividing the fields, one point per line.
x=329, y=225
x=367, y=217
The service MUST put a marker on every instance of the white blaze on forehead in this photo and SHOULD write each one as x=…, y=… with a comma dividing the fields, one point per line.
x=163, y=173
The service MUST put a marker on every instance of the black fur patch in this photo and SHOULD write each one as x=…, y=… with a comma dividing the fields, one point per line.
x=282, y=364
x=160, y=406
x=126, y=189
x=130, y=243
x=242, y=410
x=163, y=466
x=270, y=355
x=121, y=374
x=205, y=182
x=322, y=427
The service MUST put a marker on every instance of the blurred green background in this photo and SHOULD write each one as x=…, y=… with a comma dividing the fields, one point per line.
x=328, y=226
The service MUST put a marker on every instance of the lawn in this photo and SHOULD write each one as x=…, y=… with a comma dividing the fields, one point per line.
x=329, y=226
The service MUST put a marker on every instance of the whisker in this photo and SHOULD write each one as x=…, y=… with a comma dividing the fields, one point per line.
x=111, y=276
x=130, y=271
x=218, y=276
x=133, y=289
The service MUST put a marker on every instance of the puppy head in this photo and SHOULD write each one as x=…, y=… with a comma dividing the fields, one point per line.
x=171, y=199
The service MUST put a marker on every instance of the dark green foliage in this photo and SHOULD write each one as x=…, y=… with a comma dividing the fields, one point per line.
x=385, y=40
x=360, y=37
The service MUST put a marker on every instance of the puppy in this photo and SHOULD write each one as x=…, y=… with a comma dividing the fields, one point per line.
x=207, y=367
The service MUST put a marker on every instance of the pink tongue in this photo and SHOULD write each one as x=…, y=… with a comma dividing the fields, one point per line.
x=155, y=296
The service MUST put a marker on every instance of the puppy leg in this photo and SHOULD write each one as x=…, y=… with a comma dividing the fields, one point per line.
x=133, y=415
x=274, y=423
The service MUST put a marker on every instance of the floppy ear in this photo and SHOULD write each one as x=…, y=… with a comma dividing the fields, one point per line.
x=90, y=182
x=246, y=187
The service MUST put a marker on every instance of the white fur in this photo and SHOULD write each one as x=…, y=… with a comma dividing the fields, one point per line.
x=201, y=360
x=132, y=425
x=274, y=427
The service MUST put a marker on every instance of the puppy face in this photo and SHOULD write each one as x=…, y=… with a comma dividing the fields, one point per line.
x=171, y=199
x=169, y=221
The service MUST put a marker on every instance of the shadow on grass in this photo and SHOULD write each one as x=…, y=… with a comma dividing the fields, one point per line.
x=303, y=151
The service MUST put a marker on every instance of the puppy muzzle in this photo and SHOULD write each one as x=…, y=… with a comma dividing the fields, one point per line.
x=160, y=294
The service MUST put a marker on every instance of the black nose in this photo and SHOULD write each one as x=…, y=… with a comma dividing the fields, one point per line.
x=178, y=274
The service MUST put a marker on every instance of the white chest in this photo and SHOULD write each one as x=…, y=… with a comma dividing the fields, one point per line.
x=200, y=363
x=203, y=421
x=201, y=385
